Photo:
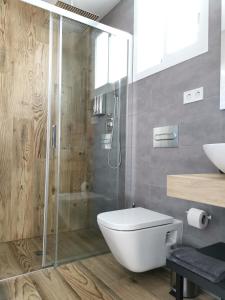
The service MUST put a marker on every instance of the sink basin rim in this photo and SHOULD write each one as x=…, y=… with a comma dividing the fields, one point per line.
x=216, y=154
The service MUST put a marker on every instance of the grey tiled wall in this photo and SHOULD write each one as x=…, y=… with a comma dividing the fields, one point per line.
x=109, y=182
x=157, y=101
x=121, y=16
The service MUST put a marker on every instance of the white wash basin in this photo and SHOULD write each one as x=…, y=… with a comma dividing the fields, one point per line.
x=216, y=153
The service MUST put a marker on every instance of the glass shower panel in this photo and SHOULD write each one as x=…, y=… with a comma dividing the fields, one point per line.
x=23, y=92
x=91, y=147
x=50, y=218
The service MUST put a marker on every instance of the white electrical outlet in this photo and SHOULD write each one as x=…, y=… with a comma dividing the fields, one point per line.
x=193, y=95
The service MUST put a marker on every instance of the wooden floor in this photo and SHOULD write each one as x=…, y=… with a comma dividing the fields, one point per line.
x=96, y=278
x=19, y=257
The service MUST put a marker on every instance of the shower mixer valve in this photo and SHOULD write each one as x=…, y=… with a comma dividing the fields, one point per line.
x=109, y=123
x=107, y=137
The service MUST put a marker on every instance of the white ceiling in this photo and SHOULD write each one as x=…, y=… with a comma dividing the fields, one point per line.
x=98, y=7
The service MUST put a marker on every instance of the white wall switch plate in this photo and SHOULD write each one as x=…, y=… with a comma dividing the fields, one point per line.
x=193, y=95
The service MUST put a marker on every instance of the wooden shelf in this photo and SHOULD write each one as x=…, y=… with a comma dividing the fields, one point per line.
x=202, y=188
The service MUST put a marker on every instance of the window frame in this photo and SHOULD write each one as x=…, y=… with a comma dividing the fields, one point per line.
x=109, y=78
x=175, y=58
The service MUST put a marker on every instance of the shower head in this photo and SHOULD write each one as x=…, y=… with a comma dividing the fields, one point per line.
x=77, y=10
x=93, y=9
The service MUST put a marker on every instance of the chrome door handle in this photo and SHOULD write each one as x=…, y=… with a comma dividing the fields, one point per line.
x=54, y=136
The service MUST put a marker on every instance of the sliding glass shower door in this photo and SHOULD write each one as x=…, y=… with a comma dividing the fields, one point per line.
x=63, y=101
x=87, y=150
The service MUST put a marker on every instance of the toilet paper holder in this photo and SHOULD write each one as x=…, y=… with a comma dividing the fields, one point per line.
x=209, y=217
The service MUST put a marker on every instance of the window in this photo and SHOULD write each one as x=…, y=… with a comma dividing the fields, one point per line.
x=101, y=59
x=167, y=32
x=110, y=59
x=117, y=58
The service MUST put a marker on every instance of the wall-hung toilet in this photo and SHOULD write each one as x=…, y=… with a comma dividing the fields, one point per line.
x=140, y=239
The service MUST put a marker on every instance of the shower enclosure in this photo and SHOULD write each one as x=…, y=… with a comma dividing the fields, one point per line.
x=64, y=85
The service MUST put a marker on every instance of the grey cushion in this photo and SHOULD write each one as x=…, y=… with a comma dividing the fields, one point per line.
x=206, y=266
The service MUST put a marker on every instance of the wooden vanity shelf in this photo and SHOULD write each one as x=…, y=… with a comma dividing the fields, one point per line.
x=202, y=188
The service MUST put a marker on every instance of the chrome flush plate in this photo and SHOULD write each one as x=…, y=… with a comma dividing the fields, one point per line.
x=165, y=137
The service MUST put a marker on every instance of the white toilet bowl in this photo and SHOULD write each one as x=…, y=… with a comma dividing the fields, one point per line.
x=140, y=239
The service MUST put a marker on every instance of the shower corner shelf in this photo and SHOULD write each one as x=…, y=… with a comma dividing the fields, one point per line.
x=201, y=188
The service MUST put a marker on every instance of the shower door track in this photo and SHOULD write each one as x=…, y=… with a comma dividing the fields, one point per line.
x=62, y=12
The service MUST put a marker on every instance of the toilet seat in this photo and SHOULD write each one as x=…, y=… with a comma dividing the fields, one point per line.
x=133, y=219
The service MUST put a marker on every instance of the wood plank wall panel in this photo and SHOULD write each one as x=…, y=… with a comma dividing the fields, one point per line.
x=6, y=126
x=74, y=155
x=23, y=114
x=22, y=183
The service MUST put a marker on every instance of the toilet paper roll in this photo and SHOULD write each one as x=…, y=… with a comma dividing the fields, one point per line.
x=197, y=218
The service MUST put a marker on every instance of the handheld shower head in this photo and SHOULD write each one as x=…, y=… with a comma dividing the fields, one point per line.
x=116, y=89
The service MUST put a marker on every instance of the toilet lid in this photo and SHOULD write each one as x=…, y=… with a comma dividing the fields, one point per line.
x=133, y=219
